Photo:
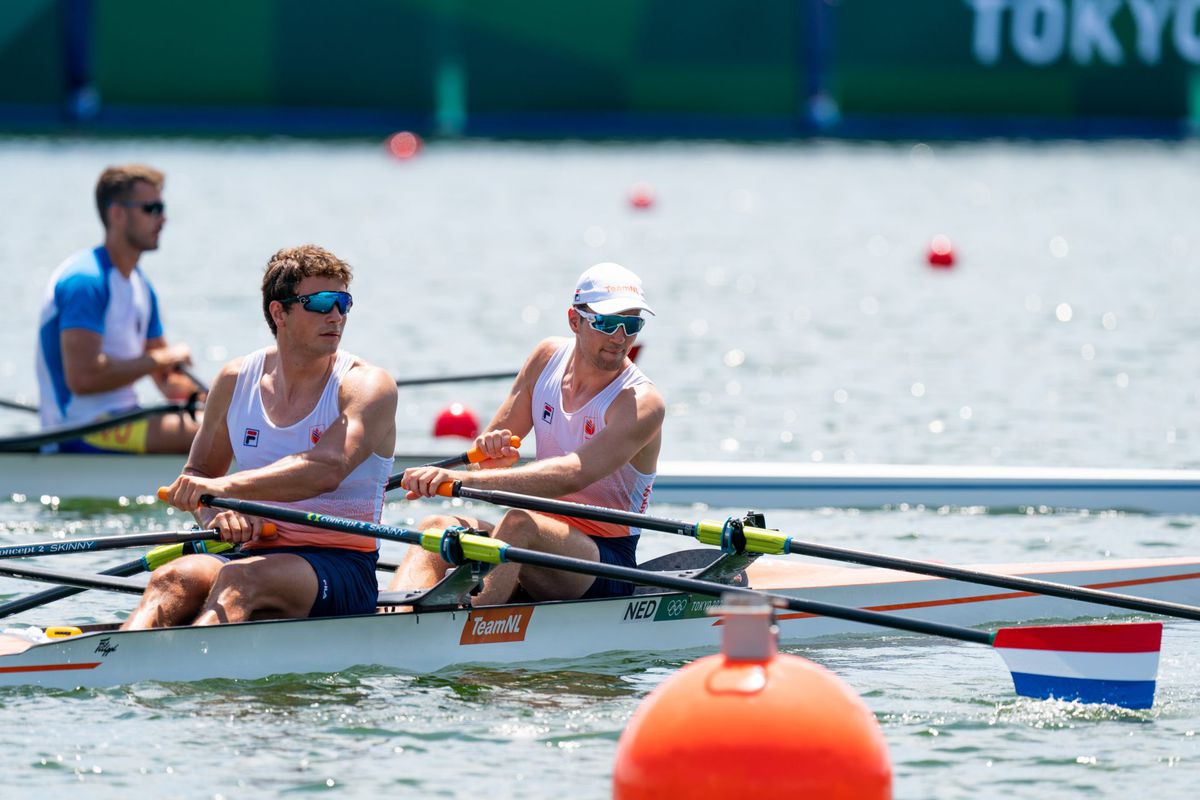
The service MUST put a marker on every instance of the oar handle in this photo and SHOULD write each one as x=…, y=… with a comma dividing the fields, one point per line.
x=472, y=456
x=475, y=455
x=187, y=372
x=269, y=529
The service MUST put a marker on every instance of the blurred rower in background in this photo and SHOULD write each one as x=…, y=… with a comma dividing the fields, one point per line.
x=100, y=329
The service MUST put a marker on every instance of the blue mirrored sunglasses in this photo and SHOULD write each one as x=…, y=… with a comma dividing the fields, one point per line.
x=608, y=323
x=153, y=209
x=323, y=302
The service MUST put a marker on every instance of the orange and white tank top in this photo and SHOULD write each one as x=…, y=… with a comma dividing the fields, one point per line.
x=560, y=432
x=257, y=441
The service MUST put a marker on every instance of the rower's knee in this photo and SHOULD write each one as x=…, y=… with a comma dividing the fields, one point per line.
x=518, y=528
x=236, y=584
x=180, y=579
x=438, y=522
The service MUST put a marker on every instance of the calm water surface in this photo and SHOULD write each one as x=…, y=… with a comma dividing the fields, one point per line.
x=797, y=321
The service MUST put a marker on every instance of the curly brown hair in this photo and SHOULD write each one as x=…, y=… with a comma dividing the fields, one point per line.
x=116, y=184
x=291, y=265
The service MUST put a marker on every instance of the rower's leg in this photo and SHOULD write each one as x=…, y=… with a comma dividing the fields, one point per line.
x=170, y=433
x=279, y=585
x=532, y=531
x=420, y=569
x=175, y=593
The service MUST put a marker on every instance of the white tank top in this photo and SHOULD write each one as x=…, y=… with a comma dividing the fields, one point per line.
x=560, y=432
x=256, y=442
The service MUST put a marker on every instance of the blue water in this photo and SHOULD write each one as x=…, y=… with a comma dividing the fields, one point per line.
x=797, y=321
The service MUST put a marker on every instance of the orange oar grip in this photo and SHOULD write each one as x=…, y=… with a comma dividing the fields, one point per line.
x=269, y=529
x=446, y=489
x=475, y=455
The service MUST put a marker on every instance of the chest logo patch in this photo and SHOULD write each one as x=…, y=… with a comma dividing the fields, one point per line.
x=547, y=412
x=250, y=437
x=589, y=428
x=314, y=434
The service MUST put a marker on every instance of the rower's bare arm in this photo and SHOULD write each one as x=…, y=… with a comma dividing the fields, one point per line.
x=366, y=425
x=212, y=454
x=89, y=370
x=633, y=424
x=515, y=414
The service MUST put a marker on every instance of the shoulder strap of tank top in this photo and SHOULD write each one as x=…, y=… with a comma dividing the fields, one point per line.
x=556, y=364
x=249, y=376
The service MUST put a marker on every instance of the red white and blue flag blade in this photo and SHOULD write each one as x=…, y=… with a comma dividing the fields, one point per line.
x=1115, y=664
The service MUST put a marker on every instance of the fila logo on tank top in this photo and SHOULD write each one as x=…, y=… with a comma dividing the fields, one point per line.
x=257, y=441
x=559, y=432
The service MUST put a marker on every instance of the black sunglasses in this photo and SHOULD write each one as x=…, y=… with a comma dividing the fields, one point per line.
x=154, y=209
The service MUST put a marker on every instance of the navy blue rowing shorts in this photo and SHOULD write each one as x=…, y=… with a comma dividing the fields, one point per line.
x=346, y=582
x=620, y=551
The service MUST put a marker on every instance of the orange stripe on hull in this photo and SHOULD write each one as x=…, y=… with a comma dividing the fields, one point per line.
x=49, y=667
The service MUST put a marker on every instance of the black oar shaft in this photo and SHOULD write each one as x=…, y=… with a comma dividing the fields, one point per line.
x=482, y=376
x=1014, y=582
x=17, y=406
x=104, y=543
x=563, y=508
x=87, y=581
x=632, y=575
x=65, y=433
x=693, y=586
x=19, y=604
x=191, y=376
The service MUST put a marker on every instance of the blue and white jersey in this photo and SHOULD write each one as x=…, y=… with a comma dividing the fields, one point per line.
x=87, y=291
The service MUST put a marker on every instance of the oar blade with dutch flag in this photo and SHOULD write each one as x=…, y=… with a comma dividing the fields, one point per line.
x=1115, y=663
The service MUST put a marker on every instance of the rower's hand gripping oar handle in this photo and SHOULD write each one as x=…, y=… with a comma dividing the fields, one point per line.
x=269, y=529
x=475, y=455
x=472, y=456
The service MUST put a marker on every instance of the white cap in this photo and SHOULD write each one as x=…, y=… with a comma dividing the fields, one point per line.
x=609, y=288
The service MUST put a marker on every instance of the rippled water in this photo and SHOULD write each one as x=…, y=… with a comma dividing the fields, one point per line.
x=797, y=321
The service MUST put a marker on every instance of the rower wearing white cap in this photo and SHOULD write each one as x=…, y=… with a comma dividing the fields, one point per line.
x=598, y=422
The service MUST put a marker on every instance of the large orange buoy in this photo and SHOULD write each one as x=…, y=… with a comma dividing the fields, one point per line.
x=941, y=252
x=752, y=723
x=456, y=420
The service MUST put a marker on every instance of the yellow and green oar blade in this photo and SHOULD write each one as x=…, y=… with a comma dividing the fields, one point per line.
x=1112, y=663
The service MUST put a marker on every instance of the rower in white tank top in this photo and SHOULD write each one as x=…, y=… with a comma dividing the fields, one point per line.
x=257, y=441
x=560, y=431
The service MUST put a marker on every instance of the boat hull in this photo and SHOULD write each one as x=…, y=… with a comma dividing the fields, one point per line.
x=718, y=484
x=547, y=634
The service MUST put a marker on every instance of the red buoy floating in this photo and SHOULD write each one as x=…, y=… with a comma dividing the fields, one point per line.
x=641, y=195
x=403, y=145
x=456, y=420
x=752, y=723
x=941, y=252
